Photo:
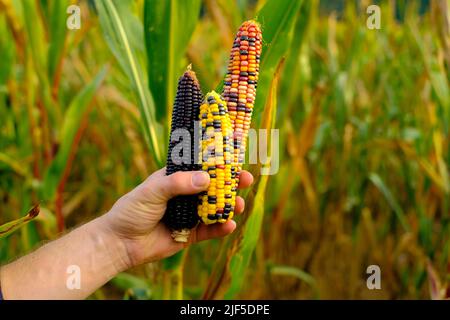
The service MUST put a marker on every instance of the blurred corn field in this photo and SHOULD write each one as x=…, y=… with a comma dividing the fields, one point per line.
x=363, y=117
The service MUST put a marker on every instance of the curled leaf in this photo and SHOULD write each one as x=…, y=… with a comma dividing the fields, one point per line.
x=12, y=226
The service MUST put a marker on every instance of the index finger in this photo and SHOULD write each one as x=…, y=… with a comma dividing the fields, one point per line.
x=245, y=179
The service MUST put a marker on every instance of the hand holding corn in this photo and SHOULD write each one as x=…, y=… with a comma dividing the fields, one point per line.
x=136, y=217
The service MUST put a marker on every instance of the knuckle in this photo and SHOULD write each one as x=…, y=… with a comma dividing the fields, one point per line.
x=178, y=179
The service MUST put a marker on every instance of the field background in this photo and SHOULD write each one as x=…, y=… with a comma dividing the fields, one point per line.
x=363, y=116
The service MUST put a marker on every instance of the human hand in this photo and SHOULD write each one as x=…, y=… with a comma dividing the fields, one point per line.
x=135, y=218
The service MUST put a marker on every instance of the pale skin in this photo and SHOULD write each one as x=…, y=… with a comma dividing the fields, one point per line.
x=130, y=234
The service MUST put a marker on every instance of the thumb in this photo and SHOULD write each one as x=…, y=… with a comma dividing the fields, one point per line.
x=180, y=183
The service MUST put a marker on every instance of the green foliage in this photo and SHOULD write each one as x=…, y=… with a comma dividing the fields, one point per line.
x=168, y=26
x=120, y=28
x=70, y=127
x=56, y=17
x=277, y=19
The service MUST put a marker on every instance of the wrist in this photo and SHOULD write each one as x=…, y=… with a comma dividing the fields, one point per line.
x=114, y=246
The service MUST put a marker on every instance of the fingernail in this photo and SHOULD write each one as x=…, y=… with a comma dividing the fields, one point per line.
x=200, y=179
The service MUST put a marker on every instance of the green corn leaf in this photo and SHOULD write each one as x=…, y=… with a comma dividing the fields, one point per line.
x=294, y=272
x=379, y=183
x=7, y=50
x=168, y=28
x=120, y=28
x=70, y=126
x=436, y=73
x=289, y=271
x=126, y=281
x=241, y=259
x=57, y=29
x=13, y=164
x=134, y=287
x=233, y=11
x=35, y=32
x=38, y=49
x=12, y=226
x=251, y=231
x=172, y=262
x=295, y=74
x=277, y=20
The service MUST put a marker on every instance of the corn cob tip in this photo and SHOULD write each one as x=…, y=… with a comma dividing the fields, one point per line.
x=214, y=95
x=252, y=22
x=189, y=73
x=181, y=235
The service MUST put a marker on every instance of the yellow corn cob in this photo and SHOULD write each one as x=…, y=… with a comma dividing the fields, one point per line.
x=217, y=203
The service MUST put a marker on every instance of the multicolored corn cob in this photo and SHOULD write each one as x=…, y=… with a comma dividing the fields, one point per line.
x=217, y=203
x=240, y=85
x=181, y=213
x=225, y=123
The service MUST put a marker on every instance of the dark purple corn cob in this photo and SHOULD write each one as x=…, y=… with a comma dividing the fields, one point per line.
x=181, y=213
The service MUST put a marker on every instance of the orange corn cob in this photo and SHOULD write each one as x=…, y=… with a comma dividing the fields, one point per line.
x=240, y=84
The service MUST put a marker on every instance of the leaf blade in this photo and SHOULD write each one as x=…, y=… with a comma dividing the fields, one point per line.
x=8, y=228
x=165, y=21
x=71, y=123
x=117, y=35
x=249, y=234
